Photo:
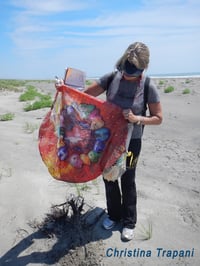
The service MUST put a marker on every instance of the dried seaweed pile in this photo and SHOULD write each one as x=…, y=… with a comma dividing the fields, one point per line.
x=71, y=224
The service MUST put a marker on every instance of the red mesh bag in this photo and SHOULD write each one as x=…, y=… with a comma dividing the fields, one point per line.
x=81, y=136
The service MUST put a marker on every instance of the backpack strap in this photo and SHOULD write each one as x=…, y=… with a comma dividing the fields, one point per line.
x=110, y=79
x=146, y=91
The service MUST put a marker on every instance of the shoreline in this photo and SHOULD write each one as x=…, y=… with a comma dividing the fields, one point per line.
x=157, y=76
x=175, y=77
x=164, y=76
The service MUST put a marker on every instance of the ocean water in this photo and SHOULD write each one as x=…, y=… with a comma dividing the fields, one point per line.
x=168, y=75
x=176, y=75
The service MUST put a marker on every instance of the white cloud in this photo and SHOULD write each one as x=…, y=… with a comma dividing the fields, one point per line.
x=43, y=7
x=153, y=19
x=93, y=41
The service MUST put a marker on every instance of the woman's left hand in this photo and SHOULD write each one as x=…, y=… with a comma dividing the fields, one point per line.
x=129, y=115
x=155, y=117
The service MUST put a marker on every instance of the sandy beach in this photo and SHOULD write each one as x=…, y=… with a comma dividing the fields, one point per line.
x=167, y=180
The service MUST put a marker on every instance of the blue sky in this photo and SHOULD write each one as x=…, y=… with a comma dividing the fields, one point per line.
x=40, y=38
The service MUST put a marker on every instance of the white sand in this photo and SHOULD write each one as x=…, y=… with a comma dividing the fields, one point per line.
x=167, y=181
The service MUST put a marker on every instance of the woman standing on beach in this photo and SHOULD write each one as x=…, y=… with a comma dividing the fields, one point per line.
x=125, y=88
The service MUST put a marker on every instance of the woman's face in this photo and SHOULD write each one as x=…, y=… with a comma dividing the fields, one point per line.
x=130, y=71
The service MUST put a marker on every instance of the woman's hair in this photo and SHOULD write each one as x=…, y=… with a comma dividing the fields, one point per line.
x=137, y=54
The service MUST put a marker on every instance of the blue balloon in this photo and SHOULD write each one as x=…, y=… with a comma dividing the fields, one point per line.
x=102, y=134
x=99, y=146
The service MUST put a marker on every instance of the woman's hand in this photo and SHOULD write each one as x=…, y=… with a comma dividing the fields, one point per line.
x=155, y=117
x=129, y=115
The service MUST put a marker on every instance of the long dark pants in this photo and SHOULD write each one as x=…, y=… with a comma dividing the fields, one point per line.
x=121, y=204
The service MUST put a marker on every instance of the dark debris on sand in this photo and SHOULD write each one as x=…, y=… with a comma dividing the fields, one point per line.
x=72, y=223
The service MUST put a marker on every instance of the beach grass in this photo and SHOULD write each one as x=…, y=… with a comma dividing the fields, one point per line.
x=146, y=231
x=40, y=100
x=187, y=81
x=29, y=95
x=88, y=82
x=17, y=85
x=186, y=91
x=5, y=172
x=169, y=89
x=161, y=82
x=30, y=128
x=7, y=117
x=12, y=84
x=81, y=187
x=42, y=103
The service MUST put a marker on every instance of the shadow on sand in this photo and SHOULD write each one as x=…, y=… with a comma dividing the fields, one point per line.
x=61, y=237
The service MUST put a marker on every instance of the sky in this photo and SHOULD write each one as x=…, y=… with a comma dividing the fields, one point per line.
x=40, y=39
